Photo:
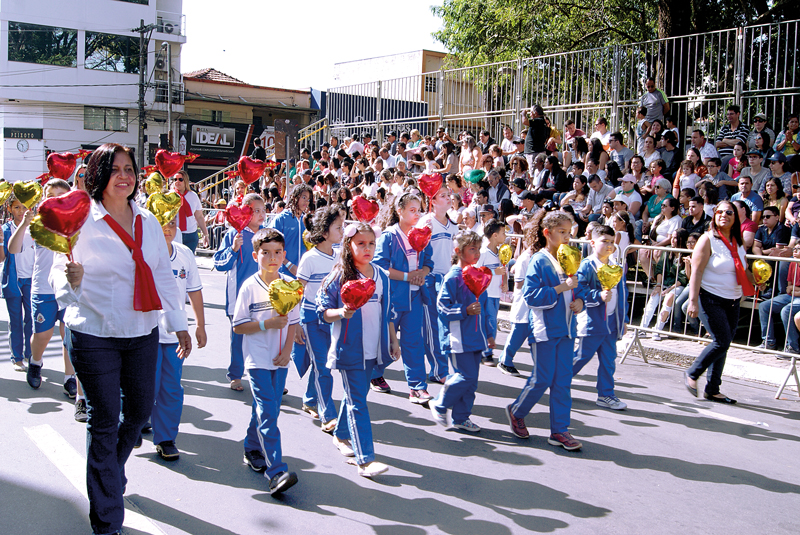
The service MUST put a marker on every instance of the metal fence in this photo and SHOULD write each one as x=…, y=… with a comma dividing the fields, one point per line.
x=753, y=66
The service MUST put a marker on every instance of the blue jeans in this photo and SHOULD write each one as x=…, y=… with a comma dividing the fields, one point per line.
x=786, y=306
x=20, y=322
x=459, y=390
x=354, y=423
x=679, y=312
x=168, y=393
x=263, y=434
x=720, y=317
x=107, y=366
x=190, y=240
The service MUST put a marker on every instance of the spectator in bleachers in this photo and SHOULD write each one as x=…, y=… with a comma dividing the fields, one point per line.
x=507, y=145
x=649, y=154
x=671, y=154
x=763, y=144
x=706, y=149
x=696, y=222
x=654, y=100
x=601, y=132
x=774, y=196
x=571, y=132
x=759, y=125
x=748, y=226
x=788, y=141
x=730, y=133
x=785, y=305
x=780, y=170
x=749, y=196
x=538, y=132
x=497, y=189
x=485, y=141
x=599, y=192
x=619, y=152
x=598, y=151
x=661, y=231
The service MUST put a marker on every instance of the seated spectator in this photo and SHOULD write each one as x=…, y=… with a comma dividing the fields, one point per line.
x=759, y=126
x=671, y=155
x=599, y=192
x=749, y=228
x=619, y=152
x=779, y=168
x=705, y=149
x=756, y=171
x=649, y=153
x=785, y=305
x=519, y=168
x=497, y=189
x=763, y=143
x=597, y=151
x=656, y=167
x=685, y=178
x=684, y=198
x=576, y=198
x=738, y=161
x=471, y=221
x=725, y=185
x=592, y=167
x=653, y=206
x=773, y=196
x=749, y=196
x=788, y=141
x=517, y=186
x=696, y=222
x=661, y=233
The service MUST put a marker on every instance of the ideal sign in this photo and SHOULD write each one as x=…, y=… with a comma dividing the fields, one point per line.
x=209, y=137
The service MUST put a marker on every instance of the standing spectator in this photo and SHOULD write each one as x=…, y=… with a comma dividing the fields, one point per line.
x=642, y=128
x=706, y=149
x=655, y=100
x=538, y=132
x=190, y=216
x=731, y=133
x=619, y=152
x=759, y=125
x=788, y=142
x=258, y=151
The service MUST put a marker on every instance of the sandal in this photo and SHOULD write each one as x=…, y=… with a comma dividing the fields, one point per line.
x=328, y=426
x=236, y=384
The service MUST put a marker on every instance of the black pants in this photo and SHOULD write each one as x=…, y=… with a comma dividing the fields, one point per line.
x=720, y=317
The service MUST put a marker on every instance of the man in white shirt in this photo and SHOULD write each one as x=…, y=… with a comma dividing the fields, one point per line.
x=497, y=190
x=592, y=169
x=601, y=132
x=388, y=159
x=507, y=145
x=598, y=192
x=355, y=146
x=707, y=150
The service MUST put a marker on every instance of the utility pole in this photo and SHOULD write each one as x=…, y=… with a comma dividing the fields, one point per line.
x=142, y=29
x=169, y=95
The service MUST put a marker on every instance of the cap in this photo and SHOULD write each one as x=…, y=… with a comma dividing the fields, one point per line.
x=628, y=178
x=366, y=134
x=520, y=183
x=620, y=198
x=487, y=209
x=777, y=157
x=223, y=202
x=392, y=133
x=754, y=151
x=527, y=195
x=760, y=115
x=440, y=129
x=517, y=139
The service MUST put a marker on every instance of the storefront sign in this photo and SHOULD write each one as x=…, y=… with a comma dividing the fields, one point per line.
x=23, y=133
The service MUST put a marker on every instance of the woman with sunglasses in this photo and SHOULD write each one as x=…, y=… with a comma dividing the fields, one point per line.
x=719, y=279
x=190, y=217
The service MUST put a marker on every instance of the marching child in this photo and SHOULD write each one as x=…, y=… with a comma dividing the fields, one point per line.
x=603, y=320
x=235, y=255
x=520, y=322
x=459, y=311
x=168, y=404
x=314, y=337
x=495, y=232
x=442, y=232
x=554, y=299
x=17, y=273
x=408, y=270
x=267, y=346
x=360, y=341
x=290, y=223
x=44, y=308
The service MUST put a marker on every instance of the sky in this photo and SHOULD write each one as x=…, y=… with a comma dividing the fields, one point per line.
x=294, y=44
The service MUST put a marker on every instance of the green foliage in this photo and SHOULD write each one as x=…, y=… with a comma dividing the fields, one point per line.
x=108, y=52
x=31, y=43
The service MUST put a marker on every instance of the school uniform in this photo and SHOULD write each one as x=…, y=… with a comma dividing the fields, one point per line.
x=554, y=326
x=313, y=268
x=169, y=368
x=519, y=315
x=436, y=343
x=240, y=266
x=44, y=307
x=292, y=229
x=358, y=346
x=599, y=325
x=266, y=379
x=393, y=250
x=491, y=260
x=468, y=342
x=16, y=289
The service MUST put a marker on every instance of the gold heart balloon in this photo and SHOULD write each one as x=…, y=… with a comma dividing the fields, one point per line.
x=5, y=191
x=154, y=183
x=570, y=258
x=609, y=276
x=28, y=193
x=164, y=206
x=309, y=245
x=50, y=240
x=505, y=253
x=284, y=296
x=762, y=271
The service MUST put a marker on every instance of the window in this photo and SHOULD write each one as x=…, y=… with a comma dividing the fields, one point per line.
x=116, y=53
x=108, y=119
x=32, y=43
x=215, y=116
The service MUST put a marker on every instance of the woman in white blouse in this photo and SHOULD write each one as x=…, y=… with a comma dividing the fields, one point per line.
x=114, y=289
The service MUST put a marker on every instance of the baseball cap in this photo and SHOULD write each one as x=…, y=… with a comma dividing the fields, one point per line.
x=760, y=115
x=620, y=198
x=754, y=151
x=520, y=183
x=487, y=209
x=517, y=139
x=777, y=157
x=392, y=133
x=628, y=178
x=527, y=195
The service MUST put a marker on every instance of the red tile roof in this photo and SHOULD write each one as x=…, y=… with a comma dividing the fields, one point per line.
x=213, y=75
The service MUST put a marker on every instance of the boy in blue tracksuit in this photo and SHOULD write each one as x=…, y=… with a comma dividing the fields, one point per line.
x=235, y=255
x=460, y=313
x=603, y=320
x=17, y=278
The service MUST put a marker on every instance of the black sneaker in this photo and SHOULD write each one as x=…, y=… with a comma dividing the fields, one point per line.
x=255, y=460
x=508, y=370
x=80, y=411
x=34, y=375
x=489, y=361
x=168, y=451
x=281, y=482
x=71, y=388
x=138, y=443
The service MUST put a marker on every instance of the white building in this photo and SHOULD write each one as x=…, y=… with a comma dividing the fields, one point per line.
x=69, y=75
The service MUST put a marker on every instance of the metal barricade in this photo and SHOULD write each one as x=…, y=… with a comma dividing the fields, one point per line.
x=643, y=284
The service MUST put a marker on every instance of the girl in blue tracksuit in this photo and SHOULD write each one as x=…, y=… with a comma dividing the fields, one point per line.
x=442, y=232
x=235, y=255
x=290, y=223
x=459, y=311
x=408, y=270
x=554, y=299
x=313, y=341
x=360, y=340
x=602, y=323
x=17, y=273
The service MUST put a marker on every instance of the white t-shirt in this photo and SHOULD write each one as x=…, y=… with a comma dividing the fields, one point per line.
x=253, y=304
x=604, y=138
x=397, y=189
x=412, y=257
x=194, y=203
x=667, y=227
x=492, y=261
x=371, y=320
x=24, y=259
x=507, y=145
x=314, y=266
x=355, y=146
x=519, y=308
x=42, y=264
x=441, y=242
x=184, y=267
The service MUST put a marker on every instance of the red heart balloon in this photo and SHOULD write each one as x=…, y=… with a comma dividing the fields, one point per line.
x=356, y=293
x=66, y=214
x=419, y=238
x=169, y=163
x=364, y=209
x=477, y=279
x=62, y=164
x=239, y=217
x=430, y=184
x=251, y=169
x=149, y=169
x=44, y=178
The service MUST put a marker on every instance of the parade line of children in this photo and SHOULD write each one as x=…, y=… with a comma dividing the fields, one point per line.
x=417, y=304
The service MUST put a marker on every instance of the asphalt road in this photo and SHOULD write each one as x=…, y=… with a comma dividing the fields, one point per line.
x=669, y=464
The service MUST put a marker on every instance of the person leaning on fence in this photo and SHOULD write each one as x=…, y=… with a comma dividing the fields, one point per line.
x=784, y=305
x=719, y=279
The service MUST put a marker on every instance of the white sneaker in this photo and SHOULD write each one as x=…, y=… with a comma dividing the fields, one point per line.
x=442, y=419
x=467, y=425
x=372, y=469
x=656, y=337
x=611, y=402
x=344, y=447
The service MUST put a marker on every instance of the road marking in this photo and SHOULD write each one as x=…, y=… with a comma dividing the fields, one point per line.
x=717, y=415
x=73, y=465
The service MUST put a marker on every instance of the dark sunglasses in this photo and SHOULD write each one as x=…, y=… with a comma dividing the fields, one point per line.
x=179, y=179
x=726, y=212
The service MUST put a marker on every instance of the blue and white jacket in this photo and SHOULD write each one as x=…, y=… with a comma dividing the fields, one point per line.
x=550, y=315
x=349, y=354
x=593, y=320
x=239, y=266
x=10, y=283
x=390, y=252
x=292, y=229
x=459, y=327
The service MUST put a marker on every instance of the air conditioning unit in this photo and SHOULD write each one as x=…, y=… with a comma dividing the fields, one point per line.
x=161, y=64
x=165, y=26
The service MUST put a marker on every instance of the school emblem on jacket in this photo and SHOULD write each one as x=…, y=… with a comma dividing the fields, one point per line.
x=180, y=274
x=39, y=318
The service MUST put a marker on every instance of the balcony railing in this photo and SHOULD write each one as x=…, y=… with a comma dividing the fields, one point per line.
x=177, y=92
x=171, y=23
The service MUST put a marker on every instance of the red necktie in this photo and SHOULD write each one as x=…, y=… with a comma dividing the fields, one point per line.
x=145, y=295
